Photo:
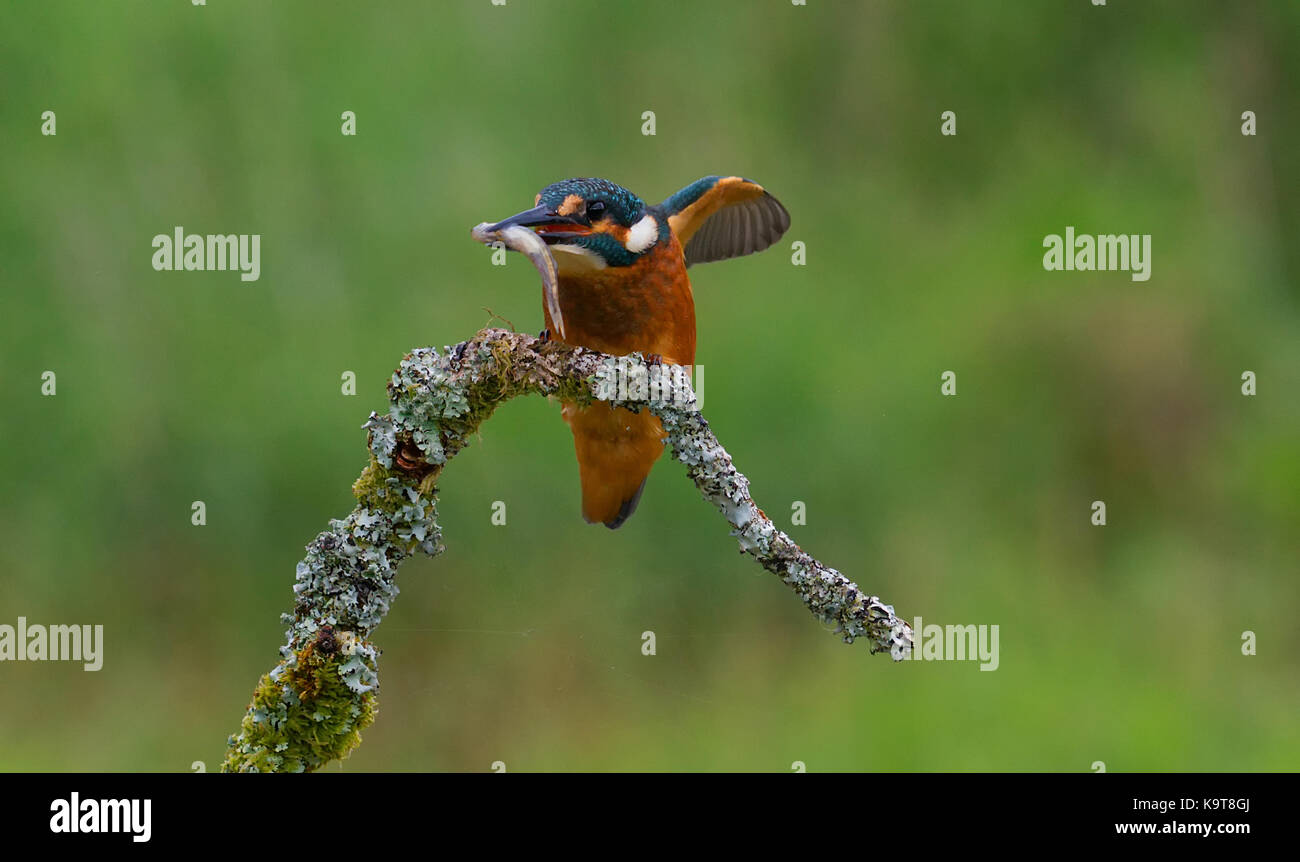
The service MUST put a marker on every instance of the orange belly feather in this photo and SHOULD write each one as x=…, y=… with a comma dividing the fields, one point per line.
x=648, y=307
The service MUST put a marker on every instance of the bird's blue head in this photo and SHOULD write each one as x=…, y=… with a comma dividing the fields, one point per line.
x=592, y=223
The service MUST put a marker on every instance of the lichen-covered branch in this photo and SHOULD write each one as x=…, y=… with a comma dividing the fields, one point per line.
x=311, y=707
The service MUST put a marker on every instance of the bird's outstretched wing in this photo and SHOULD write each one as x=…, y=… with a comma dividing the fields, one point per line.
x=716, y=218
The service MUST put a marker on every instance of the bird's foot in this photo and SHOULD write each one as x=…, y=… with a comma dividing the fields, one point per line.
x=544, y=336
x=653, y=359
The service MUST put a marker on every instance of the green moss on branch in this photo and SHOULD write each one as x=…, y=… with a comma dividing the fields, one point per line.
x=311, y=708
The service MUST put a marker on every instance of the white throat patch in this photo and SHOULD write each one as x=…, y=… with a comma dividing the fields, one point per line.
x=642, y=235
x=576, y=258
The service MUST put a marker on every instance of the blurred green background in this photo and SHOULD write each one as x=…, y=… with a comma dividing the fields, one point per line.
x=924, y=254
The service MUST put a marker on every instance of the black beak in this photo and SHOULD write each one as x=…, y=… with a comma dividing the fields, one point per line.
x=543, y=217
x=535, y=217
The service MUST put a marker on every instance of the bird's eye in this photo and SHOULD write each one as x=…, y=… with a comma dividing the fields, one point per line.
x=595, y=210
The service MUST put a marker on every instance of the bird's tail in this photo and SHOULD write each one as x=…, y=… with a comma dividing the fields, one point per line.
x=616, y=449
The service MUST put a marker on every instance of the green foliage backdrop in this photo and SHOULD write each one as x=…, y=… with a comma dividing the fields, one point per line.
x=522, y=643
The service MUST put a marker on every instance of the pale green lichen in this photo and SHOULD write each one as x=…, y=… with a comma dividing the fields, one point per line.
x=312, y=706
x=833, y=598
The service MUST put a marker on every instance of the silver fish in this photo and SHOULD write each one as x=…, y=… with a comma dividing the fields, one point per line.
x=527, y=242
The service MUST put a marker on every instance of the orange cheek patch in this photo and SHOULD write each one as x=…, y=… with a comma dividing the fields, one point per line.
x=570, y=205
x=615, y=230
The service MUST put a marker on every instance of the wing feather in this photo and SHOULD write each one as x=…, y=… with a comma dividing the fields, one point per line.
x=717, y=218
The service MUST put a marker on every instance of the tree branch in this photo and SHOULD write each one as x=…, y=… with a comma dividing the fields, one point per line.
x=311, y=707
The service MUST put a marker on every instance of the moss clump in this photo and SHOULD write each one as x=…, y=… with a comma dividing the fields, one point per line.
x=374, y=490
x=578, y=391
x=303, y=715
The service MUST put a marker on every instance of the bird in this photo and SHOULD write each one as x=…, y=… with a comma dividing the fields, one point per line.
x=622, y=288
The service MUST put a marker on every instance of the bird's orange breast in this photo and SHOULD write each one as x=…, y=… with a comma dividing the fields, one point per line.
x=647, y=306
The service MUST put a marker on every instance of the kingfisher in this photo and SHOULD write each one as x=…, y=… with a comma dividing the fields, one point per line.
x=623, y=287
